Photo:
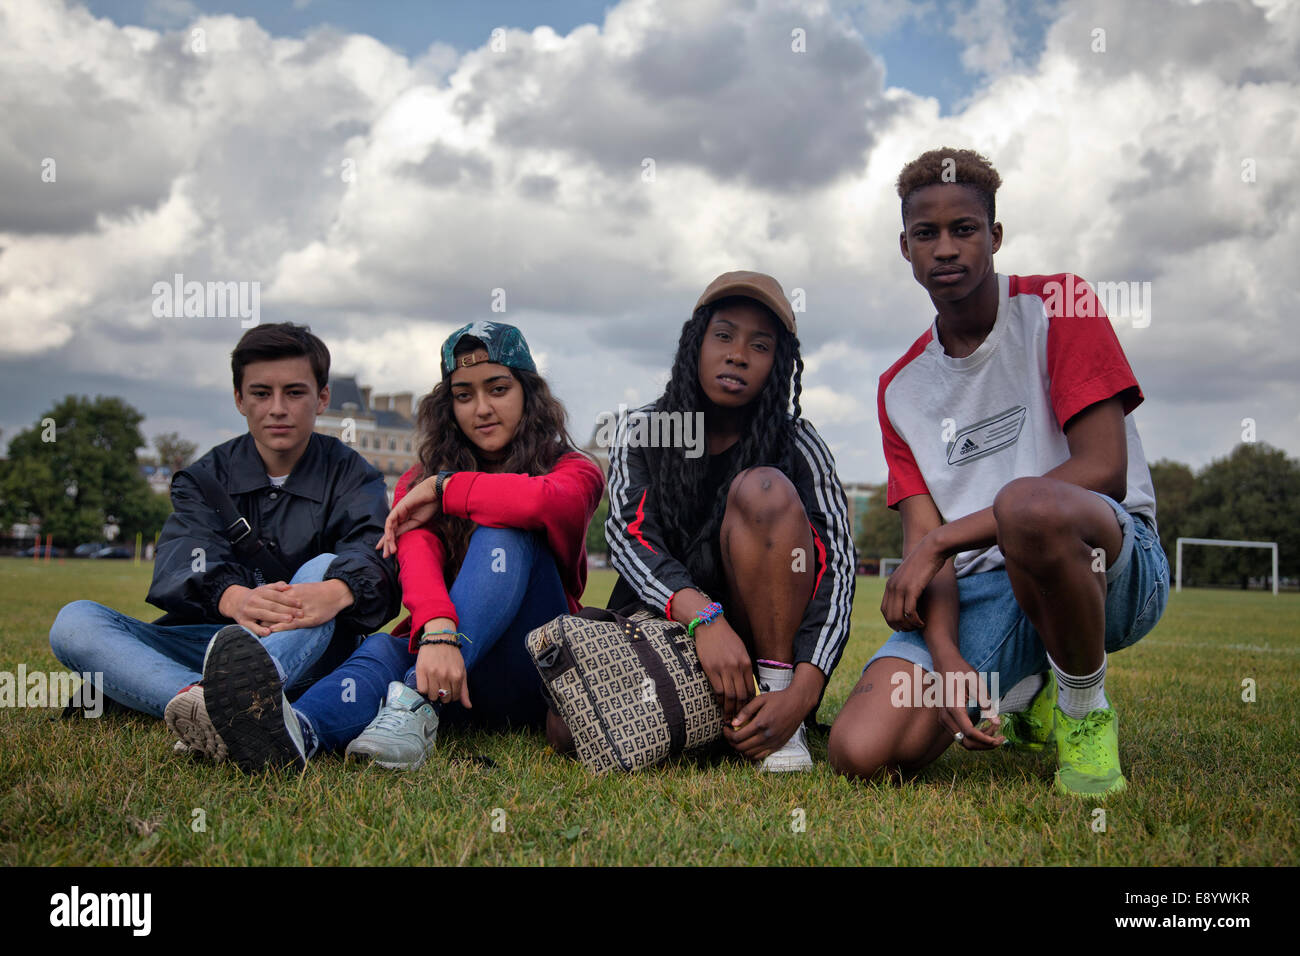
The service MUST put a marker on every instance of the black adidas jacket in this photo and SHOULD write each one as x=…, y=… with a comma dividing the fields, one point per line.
x=648, y=571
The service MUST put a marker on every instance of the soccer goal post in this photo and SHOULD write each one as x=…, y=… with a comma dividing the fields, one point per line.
x=888, y=564
x=1223, y=543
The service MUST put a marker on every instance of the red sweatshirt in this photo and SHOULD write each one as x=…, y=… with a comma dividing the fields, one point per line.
x=560, y=504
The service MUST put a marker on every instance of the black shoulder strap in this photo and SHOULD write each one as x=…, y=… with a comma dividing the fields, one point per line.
x=237, y=530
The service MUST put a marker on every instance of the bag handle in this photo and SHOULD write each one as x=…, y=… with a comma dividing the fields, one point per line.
x=665, y=689
x=623, y=616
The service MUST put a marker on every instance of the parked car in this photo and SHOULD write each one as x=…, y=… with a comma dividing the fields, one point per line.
x=114, y=551
x=88, y=550
x=55, y=552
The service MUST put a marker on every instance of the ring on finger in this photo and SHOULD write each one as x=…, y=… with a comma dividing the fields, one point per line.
x=959, y=736
x=442, y=692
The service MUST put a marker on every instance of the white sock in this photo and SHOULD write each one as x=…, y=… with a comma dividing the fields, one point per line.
x=1081, y=694
x=774, y=678
x=1018, y=697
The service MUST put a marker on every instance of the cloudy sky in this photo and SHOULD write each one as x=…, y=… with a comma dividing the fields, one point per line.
x=379, y=169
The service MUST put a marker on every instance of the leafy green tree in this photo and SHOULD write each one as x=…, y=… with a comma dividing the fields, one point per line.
x=880, y=534
x=174, y=452
x=1174, y=484
x=76, y=470
x=1253, y=495
x=144, y=512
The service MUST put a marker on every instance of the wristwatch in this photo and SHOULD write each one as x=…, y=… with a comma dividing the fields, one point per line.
x=439, y=482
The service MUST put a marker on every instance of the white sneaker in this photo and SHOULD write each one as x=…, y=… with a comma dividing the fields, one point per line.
x=793, y=755
x=402, y=733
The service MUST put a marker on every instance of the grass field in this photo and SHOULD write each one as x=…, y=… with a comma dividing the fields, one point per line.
x=1212, y=779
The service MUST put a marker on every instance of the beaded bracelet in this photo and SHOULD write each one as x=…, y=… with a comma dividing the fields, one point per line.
x=454, y=641
x=668, y=608
x=710, y=613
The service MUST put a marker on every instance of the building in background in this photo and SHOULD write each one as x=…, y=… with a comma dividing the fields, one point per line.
x=381, y=428
x=859, y=494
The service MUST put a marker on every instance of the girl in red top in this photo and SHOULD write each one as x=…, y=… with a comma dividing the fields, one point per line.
x=490, y=534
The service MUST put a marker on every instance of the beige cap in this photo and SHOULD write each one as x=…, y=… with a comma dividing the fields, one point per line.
x=756, y=285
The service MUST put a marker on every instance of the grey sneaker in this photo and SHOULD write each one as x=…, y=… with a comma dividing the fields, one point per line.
x=187, y=717
x=402, y=733
x=245, y=697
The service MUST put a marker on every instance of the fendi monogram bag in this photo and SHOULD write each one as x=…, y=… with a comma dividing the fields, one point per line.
x=631, y=689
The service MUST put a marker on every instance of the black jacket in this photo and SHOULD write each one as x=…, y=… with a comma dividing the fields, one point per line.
x=333, y=501
x=647, y=571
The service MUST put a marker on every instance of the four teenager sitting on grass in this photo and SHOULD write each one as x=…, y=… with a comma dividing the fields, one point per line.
x=1030, y=548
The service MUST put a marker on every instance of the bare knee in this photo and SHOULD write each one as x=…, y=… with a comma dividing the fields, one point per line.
x=1031, y=518
x=761, y=496
x=854, y=755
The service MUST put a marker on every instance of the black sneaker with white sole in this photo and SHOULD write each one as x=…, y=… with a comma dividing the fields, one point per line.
x=245, y=699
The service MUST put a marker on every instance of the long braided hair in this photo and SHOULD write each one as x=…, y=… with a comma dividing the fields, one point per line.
x=691, y=524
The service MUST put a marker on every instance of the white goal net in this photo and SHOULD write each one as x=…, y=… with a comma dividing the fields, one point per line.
x=1219, y=542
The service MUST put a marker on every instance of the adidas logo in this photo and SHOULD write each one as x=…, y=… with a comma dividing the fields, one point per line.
x=967, y=447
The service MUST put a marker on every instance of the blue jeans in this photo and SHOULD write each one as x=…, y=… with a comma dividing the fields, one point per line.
x=146, y=665
x=507, y=586
x=995, y=636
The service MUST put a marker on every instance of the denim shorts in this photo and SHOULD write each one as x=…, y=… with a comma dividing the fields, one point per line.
x=995, y=637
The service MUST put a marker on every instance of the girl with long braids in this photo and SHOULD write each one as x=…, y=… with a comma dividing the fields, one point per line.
x=751, y=539
x=490, y=533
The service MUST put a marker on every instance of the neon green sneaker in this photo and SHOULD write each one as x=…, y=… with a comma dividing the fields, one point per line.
x=1087, y=754
x=1031, y=728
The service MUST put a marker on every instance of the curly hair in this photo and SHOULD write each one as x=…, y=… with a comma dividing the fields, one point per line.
x=541, y=439
x=946, y=165
x=691, y=525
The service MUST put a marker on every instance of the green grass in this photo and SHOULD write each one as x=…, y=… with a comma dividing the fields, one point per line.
x=1213, y=780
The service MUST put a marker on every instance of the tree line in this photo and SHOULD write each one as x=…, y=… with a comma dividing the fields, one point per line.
x=77, y=470
x=1252, y=494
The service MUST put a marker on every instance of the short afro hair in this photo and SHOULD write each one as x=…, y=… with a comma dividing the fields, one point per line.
x=946, y=165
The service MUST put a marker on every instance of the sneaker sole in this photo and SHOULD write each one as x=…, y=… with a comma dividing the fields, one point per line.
x=362, y=757
x=1118, y=786
x=797, y=761
x=247, y=704
x=187, y=717
x=791, y=767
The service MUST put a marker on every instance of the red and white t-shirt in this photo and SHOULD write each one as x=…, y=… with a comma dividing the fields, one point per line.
x=959, y=429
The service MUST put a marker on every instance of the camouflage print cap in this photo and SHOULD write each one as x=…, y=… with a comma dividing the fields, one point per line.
x=504, y=343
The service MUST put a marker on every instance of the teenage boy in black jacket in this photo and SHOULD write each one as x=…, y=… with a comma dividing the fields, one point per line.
x=319, y=506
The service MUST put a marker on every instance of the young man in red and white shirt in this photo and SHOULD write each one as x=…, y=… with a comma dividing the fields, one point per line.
x=1030, y=546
